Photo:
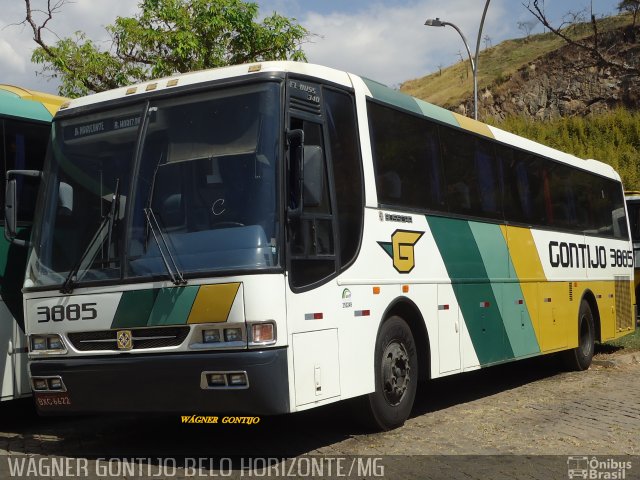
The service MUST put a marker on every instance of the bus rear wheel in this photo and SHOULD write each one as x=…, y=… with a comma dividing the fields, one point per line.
x=580, y=357
x=396, y=376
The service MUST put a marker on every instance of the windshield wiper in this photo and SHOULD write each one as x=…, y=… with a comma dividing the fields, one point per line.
x=96, y=241
x=152, y=222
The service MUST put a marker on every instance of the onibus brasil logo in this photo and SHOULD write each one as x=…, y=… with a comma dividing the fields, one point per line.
x=401, y=249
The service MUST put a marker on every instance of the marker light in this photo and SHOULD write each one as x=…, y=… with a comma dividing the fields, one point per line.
x=211, y=336
x=262, y=332
x=232, y=334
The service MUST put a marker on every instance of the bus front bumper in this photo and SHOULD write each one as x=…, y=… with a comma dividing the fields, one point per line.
x=168, y=383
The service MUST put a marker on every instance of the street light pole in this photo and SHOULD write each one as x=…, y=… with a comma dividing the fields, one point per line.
x=475, y=72
x=431, y=22
x=436, y=22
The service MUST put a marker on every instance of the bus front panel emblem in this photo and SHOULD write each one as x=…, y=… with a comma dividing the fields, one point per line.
x=124, y=339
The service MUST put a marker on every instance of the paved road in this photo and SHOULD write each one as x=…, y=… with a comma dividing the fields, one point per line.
x=529, y=408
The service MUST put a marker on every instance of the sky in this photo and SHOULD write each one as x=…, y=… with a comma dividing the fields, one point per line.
x=384, y=40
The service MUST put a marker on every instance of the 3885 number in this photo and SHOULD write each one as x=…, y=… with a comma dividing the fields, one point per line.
x=73, y=311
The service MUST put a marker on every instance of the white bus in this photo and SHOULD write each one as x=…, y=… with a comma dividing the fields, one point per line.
x=633, y=207
x=273, y=237
x=25, y=122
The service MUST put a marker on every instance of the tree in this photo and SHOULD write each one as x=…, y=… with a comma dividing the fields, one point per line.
x=631, y=6
x=527, y=27
x=165, y=38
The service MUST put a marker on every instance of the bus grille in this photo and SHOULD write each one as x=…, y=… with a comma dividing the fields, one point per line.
x=624, y=315
x=105, y=340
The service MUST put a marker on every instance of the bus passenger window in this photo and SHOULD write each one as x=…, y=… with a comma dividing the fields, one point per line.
x=406, y=158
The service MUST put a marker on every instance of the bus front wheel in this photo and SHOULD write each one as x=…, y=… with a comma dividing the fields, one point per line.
x=580, y=357
x=396, y=376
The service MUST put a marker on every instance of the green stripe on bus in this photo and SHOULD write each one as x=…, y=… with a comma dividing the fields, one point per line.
x=134, y=308
x=437, y=113
x=153, y=307
x=173, y=305
x=385, y=94
x=495, y=256
x=388, y=95
x=12, y=105
x=473, y=290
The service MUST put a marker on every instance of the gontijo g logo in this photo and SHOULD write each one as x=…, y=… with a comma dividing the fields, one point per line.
x=401, y=249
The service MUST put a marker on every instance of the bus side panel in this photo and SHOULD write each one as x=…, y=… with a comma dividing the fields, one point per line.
x=519, y=330
x=15, y=380
x=604, y=292
x=6, y=336
x=491, y=299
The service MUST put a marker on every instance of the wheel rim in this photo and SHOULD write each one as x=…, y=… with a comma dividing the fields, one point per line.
x=395, y=373
x=585, y=336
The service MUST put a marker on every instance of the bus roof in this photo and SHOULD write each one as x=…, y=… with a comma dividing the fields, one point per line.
x=23, y=103
x=372, y=88
x=632, y=195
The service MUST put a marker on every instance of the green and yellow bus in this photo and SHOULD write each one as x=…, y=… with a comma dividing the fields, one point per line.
x=274, y=237
x=25, y=122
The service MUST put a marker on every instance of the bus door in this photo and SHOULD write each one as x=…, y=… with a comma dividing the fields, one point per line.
x=312, y=257
x=325, y=218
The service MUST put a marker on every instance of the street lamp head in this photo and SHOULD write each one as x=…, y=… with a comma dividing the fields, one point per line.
x=434, y=22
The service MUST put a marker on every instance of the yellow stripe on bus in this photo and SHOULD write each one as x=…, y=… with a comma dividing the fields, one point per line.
x=528, y=268
x=213, y=303
x=473, y=125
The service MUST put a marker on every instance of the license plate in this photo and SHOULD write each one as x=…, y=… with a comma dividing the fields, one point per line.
x=52, y=400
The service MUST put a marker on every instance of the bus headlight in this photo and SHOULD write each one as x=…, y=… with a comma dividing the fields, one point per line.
x=233, y=334
x=40, y=384
x=38, y=343
x=211, y=336
x=46, y=344
x=54, y=342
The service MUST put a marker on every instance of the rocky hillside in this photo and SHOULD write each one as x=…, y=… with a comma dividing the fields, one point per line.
x=568, y=82
x=559, y=82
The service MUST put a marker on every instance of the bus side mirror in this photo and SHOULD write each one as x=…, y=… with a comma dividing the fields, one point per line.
x=11, y=204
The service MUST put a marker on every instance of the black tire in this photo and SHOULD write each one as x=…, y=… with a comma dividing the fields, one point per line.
x=580, y=357
x=396, y=377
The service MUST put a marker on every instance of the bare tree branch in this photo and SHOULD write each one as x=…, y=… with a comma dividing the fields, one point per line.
x=38, y=29
x=592, y=48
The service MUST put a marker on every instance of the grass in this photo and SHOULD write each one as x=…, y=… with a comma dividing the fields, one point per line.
x=628, y=342
x=496, y=64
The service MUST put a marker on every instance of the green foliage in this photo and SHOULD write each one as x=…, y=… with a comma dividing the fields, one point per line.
x=169, y=37
x=612, y=138
x=629, y=342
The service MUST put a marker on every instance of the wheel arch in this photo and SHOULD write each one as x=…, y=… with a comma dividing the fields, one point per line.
x=590, y=298
x=410, y=313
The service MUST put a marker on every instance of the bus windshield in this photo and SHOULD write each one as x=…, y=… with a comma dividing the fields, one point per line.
x=186, y=184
